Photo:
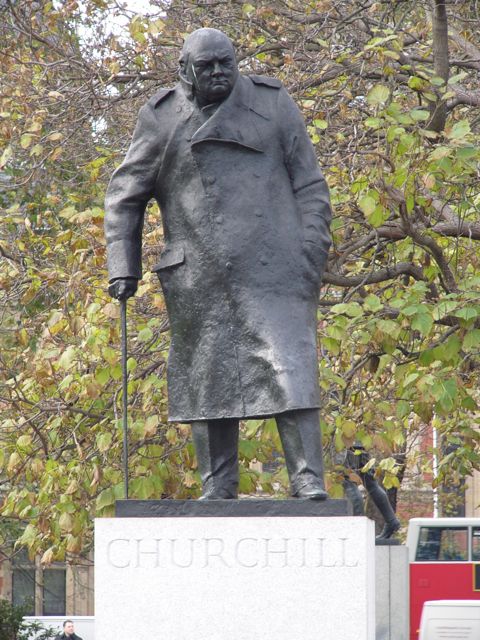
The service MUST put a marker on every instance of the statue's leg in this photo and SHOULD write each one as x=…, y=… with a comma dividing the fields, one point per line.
x=302, y=445
x=216, y=446
x=352, y=493
x=381, y=501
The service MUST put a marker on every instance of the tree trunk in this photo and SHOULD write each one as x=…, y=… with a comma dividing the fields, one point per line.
x=438, y=109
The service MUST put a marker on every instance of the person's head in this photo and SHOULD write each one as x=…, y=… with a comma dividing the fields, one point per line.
x=208, y=64
x=68, y=627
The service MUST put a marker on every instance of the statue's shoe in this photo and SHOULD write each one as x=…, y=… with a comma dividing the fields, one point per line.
x=312, y=491
x=388, y=530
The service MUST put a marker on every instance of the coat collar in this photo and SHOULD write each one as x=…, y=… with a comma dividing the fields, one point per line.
x=236, y=119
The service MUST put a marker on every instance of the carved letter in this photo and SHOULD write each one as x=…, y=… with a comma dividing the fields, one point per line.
x=303, y=559
x=343, y=542
x=173, y=560
x=237, y=553
x=109, y=550
x=269, y=551
x=321, y=558
x=212, y=553
x=155, y=553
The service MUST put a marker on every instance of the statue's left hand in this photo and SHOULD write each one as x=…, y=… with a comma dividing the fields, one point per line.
x=123, y=288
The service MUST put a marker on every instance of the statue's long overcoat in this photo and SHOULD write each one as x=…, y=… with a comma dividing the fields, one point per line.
x=246, y=216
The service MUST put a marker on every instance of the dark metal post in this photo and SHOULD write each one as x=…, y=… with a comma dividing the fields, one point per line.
x=123, y=308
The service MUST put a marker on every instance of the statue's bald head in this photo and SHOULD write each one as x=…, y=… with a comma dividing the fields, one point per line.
x=202, y=38
x=208, y=63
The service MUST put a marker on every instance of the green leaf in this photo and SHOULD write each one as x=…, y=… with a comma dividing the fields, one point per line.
x=422, y=322
x=348, y=428
x=29, y=536
x=105, y=499
x=26, y=140
x=440, y=152
x=372, y=303
x=412, y=309
x=104, y=440
x=403, y=409
x=450, y=349
x=247, y=448
x=6, y=156
x=367, y=204
x=443, y=308
x=67, y=358
x=379, y=216
x=410, y=379
x=427, y=357
x=351, y=309
x=437, y=81
x=419, y=114
x=373, y=123
x=459, y=130
x=142, y=488
x=471, y=340
x=378, y=95
x=455, y=79
x=469, y=403
x=468, y=152
x=467, y=313
x=416, y=83
x=111, y=355
x=248, y=9
x=102, y=375
x=246, y=482
x=145, y=335
x=389, y=327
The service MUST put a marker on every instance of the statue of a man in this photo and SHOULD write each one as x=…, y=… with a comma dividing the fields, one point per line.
x=246, y=216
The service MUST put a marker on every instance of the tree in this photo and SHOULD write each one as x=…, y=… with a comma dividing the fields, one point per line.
x=390, y=94
x=12, y=626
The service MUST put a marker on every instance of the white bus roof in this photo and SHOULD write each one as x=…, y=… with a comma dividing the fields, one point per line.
x=444, y=522
x=452, y=603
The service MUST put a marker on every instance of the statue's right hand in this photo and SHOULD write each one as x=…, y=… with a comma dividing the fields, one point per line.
x=123, y=288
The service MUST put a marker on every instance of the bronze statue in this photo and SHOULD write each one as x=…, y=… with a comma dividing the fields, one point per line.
x=246, y=217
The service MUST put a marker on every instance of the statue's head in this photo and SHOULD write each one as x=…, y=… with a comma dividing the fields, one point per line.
x=208, y=63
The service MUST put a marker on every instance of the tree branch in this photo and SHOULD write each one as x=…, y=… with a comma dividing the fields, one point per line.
x=388, y=273
x=471, y=98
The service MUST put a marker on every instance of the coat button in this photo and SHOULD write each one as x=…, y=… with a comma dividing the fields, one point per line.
x=263, y=261
x=211, y=180
x=229, y=266
x=218, y=219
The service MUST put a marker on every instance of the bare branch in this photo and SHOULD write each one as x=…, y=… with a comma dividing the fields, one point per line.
x=389, y=273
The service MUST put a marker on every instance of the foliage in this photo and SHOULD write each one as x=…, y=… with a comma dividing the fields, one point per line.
x=12, y=626
x=392, y=104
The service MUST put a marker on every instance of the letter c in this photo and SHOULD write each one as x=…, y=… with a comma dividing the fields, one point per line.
x=237, y=550
x=109, y=558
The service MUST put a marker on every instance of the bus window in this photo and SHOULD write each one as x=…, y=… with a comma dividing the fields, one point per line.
x=475, y=544
x=443, y=544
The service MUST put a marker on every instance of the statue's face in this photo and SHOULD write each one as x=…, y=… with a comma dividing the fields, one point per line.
x=212, y=69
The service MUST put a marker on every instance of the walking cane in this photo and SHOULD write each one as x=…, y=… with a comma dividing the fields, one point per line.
x=123, y=310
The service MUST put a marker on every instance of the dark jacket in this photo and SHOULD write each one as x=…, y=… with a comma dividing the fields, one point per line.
x=63, y=636
x=246, y=216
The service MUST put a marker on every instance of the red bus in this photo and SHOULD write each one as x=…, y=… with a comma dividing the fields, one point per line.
x=444, y=557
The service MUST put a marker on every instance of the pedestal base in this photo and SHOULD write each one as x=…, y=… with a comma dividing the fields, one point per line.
x=270, y=577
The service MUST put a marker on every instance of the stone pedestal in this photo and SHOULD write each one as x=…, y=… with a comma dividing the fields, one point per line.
x=271, y=570
x=392, y=591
